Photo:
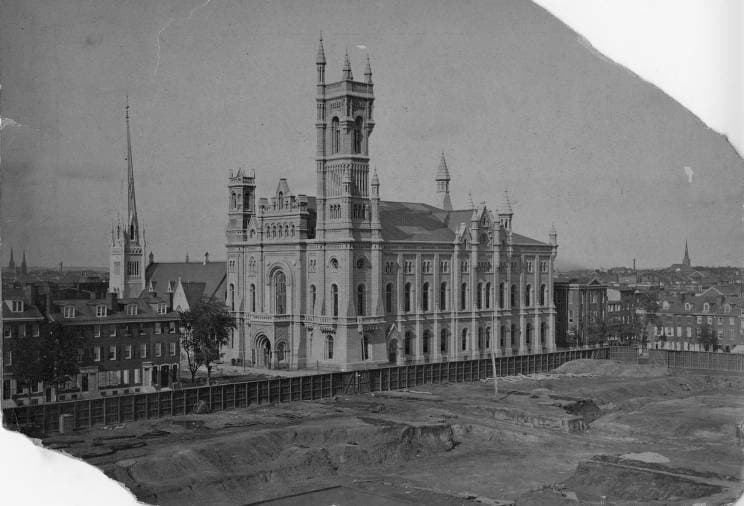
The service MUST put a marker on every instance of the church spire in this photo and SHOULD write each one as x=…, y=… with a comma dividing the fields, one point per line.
x=11, y=264
x=443, y=180
x=346, y=72
x=320, y=61
x=132, y=222
x=24, y=268
x=686, y=258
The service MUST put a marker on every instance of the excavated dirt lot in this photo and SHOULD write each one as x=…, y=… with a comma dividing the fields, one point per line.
x=634, y=434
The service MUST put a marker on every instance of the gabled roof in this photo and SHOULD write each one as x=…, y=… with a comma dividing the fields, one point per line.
x=414, y=221
x=212, y=274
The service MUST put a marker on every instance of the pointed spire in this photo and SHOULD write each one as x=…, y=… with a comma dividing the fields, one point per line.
x=132, y=222
x=506, y=206
x=346, y=72
x=375, y=179
x=470, y=199
x=368, y=72
x=686, y=258
x=23, y=263
x=11, y=264
x=320, y=58
x=443, y=171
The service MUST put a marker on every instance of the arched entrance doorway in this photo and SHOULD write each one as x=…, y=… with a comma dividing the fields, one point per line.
x=263, y=352
x=393, y=351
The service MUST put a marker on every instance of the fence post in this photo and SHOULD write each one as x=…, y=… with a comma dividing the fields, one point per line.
x=118, y=410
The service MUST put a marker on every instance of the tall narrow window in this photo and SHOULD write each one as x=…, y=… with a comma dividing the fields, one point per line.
x=358, y=135
x=443, y=297
x=513, y=301
x=407, y=343
x=488, y=295
x=501, y=295
x=427, y=341
x=360, y=300
x=280, y=293
x=480, y=338
x=365, y=348
x=528, y=334
x=528, y=295
x=407, y=298
x=544, y=332
x=443, y=341
x=425, y=297
x=488, y=338
x=313, y=296
x=514, y=337
x=253, y=298
x=464, y=339
x=334, y=299
x=232, y=297
x=463, y=296
x=336, y=134
x=389, y=298
x=543, y=295
x=502, y=336
x=479, y=296
x=329, y=347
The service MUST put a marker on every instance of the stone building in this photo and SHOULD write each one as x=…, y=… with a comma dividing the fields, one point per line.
x=345, y=279
x=581, y=305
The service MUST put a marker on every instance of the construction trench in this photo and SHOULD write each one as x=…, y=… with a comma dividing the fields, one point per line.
x=591, y=430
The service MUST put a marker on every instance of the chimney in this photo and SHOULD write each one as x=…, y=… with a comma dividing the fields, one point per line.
x=187, y=258
x=634, y=265
x=111, y=300
x=60, y=267
x=206, y=258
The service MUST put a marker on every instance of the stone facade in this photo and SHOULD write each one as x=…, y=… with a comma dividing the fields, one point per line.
x=345, y=280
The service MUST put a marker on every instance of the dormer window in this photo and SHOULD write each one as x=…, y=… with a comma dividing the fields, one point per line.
x=688, y=306
x=100, y=310
x=132, y=309
x=162, y=308
x=706, y=308
x=69, y=312
x=16, y=306
x=727, y=308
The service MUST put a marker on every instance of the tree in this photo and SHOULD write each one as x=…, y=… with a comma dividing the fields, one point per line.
x=206, y=327
x=27, y=367
x=597, y=332
x=707, y=337
x=59, y=354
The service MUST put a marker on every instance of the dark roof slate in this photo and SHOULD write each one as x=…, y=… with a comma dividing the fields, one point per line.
x=212, y=274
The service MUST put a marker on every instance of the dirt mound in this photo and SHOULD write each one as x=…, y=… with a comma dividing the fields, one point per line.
x=594, y=479
x=611, y=368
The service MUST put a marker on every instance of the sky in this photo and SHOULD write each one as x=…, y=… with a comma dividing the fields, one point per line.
x=515, y=98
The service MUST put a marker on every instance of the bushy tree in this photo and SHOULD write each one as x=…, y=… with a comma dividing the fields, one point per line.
x=707, y=337
x=206, y=327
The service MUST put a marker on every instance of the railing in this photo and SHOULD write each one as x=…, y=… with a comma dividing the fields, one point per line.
x=270, y=317
x=44, y=418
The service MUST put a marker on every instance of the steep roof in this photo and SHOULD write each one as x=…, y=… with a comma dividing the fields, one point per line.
x=212, y=274
x=415, y=221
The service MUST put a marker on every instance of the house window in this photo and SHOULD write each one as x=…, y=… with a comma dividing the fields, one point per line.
x=699, y=320
x=127, y=351
x=172, y=349
x=360, y=300
x=501, y=295
x=132, y=309
x=479, y=296
x=530, y=266
x=171, y=327
x=528, y=296
x=480, y=338
x=488, y=295
x=543, y=295
x=8, y=358
x=426, y=341
x=334, y=299
x=69, y=312
x=513, y=296
x=357, y=135
x=100, y=310
x=727, y=308
x=162, y=308
x=443, y=341
x=16, y=306
x=389, y=298
x=543, y=266
x=133, y=268
x=463, y=296
x=464, y=340
x=143, y=351
x=444, y=266
x=22, y=330
x=158, y=349
x=96, y=331
x=232, y=297
x=443, y=297
x=157, y=328
x=335, y=135
x=706, y=308
x=96, y=353
x=688, y=306
x=7, y=331
x=407, y=298
x=112, y=353
x=35, y=330
x=329, y=347
x=407, y=343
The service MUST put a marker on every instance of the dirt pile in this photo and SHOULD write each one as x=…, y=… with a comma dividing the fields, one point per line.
x=611, y=368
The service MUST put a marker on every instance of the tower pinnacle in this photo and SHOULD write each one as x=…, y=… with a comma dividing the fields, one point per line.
x=443, y=180
x=320, y=58
x=346, y=71
x=686, y=258
x=132, y=222
x=368, y=72
x=11, y=264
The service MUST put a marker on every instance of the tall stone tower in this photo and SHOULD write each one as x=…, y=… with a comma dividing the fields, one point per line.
x=127, y=258
x=343, y=124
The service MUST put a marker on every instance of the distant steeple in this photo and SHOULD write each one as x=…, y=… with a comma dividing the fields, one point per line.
x=443, y=180
x=24, y=268
x=686, y=258
x=320, y=61
x=132, y=222
x=11, y=264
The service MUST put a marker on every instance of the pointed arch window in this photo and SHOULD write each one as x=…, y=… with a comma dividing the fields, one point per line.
x=335, y=135
x=513, y=300
x=389, y=298
x=426, y=342
x=463, y=296
x=407, y=299
x=232, y=297
x=488, y=295
x=425, y=297
x=443, y=341
x=334, y=299
x=443, y=297
x=464, y=339
x=313, y=296
x=501, y=295
x=280, y=293
x=407, y=343
x=479, y=296
x=358, y=135
x=543, y=295
x=528, y=296
x=253, y=298
x=360, y=300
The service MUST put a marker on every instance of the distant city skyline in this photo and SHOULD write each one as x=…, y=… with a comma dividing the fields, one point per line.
x=514, y=98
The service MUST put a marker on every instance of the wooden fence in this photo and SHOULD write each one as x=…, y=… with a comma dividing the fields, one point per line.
x=44, y=418
x=703, y=360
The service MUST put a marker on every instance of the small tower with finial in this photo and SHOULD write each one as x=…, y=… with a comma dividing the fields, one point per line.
x=368, y=72
x=505, y=212
x=346, y=74
x=443, y=181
